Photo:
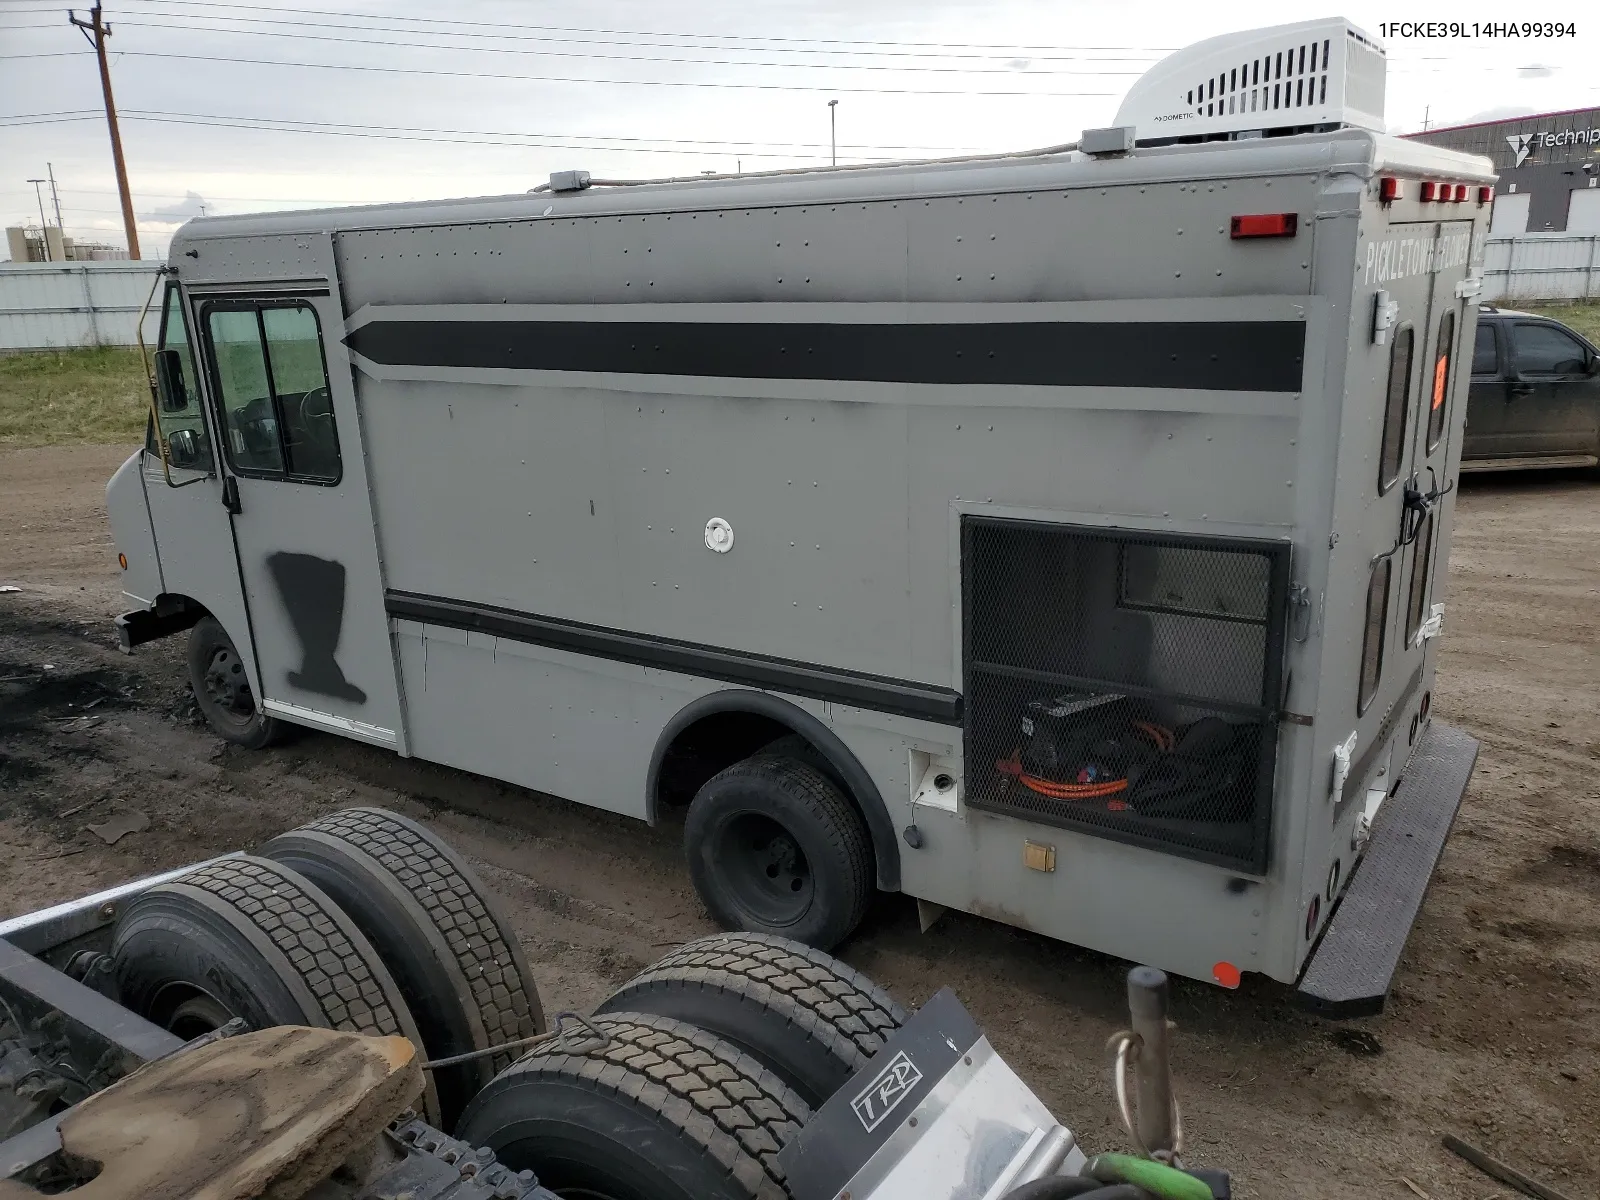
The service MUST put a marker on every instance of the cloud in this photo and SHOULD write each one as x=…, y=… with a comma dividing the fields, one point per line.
x=1504, y=112
x=1535, y=71
x=193, y=204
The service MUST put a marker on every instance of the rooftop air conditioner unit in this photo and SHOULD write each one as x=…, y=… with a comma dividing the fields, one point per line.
x=1323, y=74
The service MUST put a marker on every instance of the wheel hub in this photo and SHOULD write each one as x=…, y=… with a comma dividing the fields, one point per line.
x=766, y=869
x=228, y=687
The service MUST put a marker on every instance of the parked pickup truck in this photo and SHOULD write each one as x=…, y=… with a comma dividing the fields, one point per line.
x=1535, y=395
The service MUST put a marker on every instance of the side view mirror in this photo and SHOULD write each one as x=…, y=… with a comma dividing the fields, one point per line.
x=169, y=381
x=183, y=448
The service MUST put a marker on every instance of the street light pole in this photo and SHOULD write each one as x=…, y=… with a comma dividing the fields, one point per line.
x=833, y=130
x=44, y=226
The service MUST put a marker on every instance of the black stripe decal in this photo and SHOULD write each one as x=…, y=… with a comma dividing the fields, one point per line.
x=1239, y=356
x=853, y=688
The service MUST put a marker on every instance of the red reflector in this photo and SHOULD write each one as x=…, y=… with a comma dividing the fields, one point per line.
x=1430, y=190
x=1389, y=188
x=1485, y=194
x=1226, y=974
x=1265, y=225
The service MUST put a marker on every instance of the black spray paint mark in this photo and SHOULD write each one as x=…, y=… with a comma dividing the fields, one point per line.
x=313, y=595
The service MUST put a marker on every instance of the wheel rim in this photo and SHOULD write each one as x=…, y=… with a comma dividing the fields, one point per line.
x=227, y=687
x=765, y=869
x=198, y=1014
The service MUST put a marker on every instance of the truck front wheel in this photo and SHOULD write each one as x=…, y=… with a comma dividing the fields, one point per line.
x=775, y=847
x=222, y=689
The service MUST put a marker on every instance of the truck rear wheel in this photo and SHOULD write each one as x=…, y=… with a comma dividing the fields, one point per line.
x=244, y=937
x=809, y=1018
x=659, y=1110
x=775, y=847
x=222, y=689
x=438, y=930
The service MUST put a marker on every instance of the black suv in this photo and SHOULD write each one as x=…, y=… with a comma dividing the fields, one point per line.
x=1535, y=395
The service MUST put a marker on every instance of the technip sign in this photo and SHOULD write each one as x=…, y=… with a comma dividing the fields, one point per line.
x=1524, y=144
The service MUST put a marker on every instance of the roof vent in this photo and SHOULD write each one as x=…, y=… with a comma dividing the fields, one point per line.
x=1324, y=74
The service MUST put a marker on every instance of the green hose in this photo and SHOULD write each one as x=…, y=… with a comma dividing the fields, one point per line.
x=1160, y=1180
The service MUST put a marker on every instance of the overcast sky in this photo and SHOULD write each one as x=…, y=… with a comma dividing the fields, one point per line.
x=410, y=105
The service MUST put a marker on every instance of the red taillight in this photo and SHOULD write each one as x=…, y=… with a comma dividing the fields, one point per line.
x=1485, y=194
x=1430, y=190
x=1388, y=189
x=1265, y=225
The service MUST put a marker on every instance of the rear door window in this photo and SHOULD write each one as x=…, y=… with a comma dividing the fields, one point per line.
x=1444, y=353
x=1395, y=408
x=1374, y=628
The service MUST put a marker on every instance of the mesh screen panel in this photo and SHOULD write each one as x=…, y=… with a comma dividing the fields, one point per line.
x=1124, y=684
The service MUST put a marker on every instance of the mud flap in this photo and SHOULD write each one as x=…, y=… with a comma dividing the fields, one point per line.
x=1349, y=972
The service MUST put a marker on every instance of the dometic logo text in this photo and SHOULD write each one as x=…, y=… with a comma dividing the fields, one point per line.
x=1177, y=116
x=1400, y=258
x=888, y=1087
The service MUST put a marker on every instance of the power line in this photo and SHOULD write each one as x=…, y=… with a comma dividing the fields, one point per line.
x=689, y=145
x=692, y=83
x=501, y=35
x=710, y=62
x=640, y=33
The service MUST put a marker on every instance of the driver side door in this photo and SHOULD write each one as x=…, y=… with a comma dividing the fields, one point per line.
x=295, y=486
x=1552, y=397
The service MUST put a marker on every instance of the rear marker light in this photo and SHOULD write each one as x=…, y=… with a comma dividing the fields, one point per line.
x=1226, y=974
x=1461, y=192
x=1388, y=189
x=1265, y=225
x=1485, y=194
x=1313, y=917
x=1430, y=190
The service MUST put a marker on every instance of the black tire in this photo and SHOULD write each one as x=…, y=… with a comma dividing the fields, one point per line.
x=438, y=930
x=803, y=1014
x=244, y=937
x=661, y=1111
x=775, y=847
x=222, y=689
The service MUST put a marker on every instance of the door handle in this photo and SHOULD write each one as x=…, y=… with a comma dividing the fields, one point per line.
x=230, y=494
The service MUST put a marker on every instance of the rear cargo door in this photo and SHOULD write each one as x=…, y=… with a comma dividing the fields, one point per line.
x=1444, y=371
x=302, y=515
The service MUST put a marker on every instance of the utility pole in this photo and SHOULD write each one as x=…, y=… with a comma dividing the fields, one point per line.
x=44, y=226
x=96, y=32
x=833, y=130
x=55, y=197
x=1426, y=112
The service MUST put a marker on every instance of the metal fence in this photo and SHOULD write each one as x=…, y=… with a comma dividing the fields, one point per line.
x=57, y=305
x=1542, y=266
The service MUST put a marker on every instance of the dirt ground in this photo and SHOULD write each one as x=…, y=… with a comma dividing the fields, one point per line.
x=1492, y=1031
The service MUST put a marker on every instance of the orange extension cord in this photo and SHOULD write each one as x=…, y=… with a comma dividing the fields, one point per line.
x=1163, y=738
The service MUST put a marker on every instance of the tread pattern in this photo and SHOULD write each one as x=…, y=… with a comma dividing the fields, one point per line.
x=833, y=1002
x=335, y=970
x=847, y=830
x=739, y=1113
x=508, y=1003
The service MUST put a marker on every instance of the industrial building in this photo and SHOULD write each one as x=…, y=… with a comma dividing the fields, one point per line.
x=50, y=245
x=1549, y=167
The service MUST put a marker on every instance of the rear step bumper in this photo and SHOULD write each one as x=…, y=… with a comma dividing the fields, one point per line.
x=1348, y=974
x=1531, y=463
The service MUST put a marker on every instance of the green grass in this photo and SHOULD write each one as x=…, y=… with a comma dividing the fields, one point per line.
x=92, y=396
x=1583, y=316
